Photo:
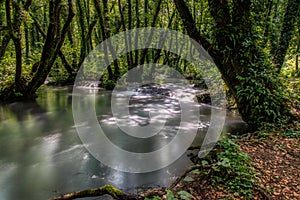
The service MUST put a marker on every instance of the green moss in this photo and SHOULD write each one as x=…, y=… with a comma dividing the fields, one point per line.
x=114, y=192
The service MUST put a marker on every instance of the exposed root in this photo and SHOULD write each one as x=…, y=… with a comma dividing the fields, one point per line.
x=104, y=190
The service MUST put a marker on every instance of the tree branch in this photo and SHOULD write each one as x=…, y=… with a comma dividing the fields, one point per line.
x=104, y=190
x=190, y=26
x=54, y=40
x=63, y=58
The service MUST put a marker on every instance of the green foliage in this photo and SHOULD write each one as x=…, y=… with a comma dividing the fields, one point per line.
x=188, y=179
x=170, y=195
x=232, y=169
x=182, y=195
x=288, y=69
x=153, y=198
x=108, y=84
x=58, y=73
x=261, y=102
x=291, y=133
x=258, y=90
x=292, y=82
x=196, y=171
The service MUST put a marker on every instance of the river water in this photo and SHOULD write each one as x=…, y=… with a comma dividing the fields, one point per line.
x=42, y=156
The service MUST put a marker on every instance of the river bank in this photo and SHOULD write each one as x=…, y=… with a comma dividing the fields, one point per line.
x=272, y=161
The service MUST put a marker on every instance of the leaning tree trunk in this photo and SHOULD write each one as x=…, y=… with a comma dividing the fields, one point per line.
x=242, y=64
x=71, y=71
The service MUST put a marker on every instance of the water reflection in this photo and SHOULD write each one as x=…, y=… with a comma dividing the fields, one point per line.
x=41, y=155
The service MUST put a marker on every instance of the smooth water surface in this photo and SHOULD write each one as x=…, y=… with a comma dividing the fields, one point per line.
x=42, y=156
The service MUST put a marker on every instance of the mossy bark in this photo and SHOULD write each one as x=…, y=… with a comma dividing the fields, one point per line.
x=25, y=89
x=243, y=64
x=104, y=190
x=54, y=41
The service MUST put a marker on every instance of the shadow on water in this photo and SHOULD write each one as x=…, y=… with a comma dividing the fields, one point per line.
x=41, y=155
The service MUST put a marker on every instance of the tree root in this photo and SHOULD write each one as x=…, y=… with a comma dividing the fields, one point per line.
x=106, y=189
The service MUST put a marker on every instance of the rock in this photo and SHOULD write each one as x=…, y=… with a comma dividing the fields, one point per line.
x=204, y=98
x=155, y=90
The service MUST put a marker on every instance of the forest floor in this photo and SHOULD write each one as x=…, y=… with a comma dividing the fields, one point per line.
x=277, y=162
x=276, y=159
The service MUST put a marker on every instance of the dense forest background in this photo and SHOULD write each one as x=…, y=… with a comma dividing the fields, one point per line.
x=254, y=43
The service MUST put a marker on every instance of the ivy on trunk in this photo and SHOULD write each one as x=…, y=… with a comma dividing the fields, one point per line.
x=244, y=66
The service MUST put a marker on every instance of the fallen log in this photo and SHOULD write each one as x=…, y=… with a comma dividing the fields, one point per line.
x=104, y=190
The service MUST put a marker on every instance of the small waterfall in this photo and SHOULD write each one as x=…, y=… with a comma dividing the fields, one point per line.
x=89, y=84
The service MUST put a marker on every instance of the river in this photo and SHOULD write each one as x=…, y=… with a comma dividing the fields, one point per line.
x=42, y=156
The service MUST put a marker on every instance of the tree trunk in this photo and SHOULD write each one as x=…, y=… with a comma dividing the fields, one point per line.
x=290, y=17
x=242, y=65
x=71, y=71
x=123, y=25
x=192, y=31
x=111, y=48
x=15, y=34
x=81, y=15
x=267, y=22
x=129, y=14
x=54, y=40
x=297, y=53
x=104, y=37
x=145, y=51
x=5, y=41
x=136, y=56
x=154, y=21
x=27, y=43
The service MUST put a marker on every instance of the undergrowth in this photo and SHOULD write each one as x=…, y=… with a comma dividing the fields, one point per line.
x=232, y=169
x=230, y=172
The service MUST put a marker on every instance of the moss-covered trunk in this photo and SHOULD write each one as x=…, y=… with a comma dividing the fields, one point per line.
x=26, y=89
x=242, y=63
x=54, y=41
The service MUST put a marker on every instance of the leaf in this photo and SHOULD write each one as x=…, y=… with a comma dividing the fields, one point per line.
x=188, y=179
x=170, y=195
x=185, y=195
x=196, y=171
x=153, y=198
x=225, y=162
x=204, y=162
